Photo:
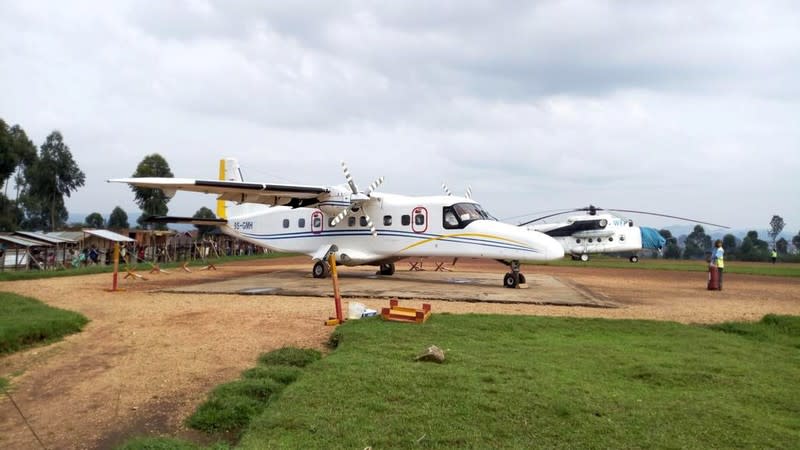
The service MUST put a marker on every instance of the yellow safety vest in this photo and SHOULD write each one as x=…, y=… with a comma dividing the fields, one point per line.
x=720, y=258
x=774, y=254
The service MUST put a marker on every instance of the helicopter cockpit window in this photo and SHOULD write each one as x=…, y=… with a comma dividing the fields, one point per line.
x=460, y=215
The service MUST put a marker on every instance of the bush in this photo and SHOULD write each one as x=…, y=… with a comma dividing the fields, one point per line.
x=290, y=356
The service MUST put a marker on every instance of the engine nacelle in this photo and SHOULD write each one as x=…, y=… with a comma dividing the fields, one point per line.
x=336, y=200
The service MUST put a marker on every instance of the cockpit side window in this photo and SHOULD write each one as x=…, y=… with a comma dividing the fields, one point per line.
x=460, y=215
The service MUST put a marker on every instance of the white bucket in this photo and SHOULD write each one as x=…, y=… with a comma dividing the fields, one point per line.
x=355, y=310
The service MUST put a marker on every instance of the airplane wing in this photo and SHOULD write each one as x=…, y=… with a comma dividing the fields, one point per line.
x=294, y=195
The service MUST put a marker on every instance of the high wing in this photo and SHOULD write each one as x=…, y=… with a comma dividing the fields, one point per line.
x=293, y=195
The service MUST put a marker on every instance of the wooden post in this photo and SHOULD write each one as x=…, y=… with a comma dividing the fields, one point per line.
x=336, y=298
x=115, y=258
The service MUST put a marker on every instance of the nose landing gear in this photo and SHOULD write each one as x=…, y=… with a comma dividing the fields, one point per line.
x=514, y=278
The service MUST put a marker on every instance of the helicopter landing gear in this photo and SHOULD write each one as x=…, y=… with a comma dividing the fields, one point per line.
x=514, y=278
x=584, y=257
x=321, y=269
x=634, y=259
x=386, y=269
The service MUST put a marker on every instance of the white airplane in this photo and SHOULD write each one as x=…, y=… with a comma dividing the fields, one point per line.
x=589, y=233
x=318, y=220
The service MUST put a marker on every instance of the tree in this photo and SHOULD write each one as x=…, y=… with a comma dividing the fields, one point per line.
x=775, y=227
x=753, y=248
x=671, y=248
x=204, y=213
x=94, y=220
x=152, y=202
x=16, y=151
x=796, y=241
x=729, y=245
x=697, y=243
x=782, y=246
x=50, y=177
x=118, y=219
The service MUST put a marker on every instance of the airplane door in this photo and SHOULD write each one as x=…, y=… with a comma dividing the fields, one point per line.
x=317, y=222
x=419, y=220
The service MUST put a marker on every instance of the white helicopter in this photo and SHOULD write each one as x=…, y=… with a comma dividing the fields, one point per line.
x=589, y=233
x=319, y=220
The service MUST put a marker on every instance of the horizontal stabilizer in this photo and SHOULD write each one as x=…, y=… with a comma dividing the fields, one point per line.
x=190, y=220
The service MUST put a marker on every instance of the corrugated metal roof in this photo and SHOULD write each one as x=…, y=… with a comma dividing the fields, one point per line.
x=110, y=235
x=72, y=236
x=40, y=237
x=17, y=240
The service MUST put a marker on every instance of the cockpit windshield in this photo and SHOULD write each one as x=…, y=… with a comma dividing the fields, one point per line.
x=460, y=215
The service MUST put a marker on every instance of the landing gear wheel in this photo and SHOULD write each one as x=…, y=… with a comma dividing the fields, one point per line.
x=584, y=257
x=386, y=269
x=511, y=280
x=634, y=259
x=576, y=258
x=522, y=279
x=320, y=270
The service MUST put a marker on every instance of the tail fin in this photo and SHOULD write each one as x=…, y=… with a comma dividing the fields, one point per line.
x=228, y=171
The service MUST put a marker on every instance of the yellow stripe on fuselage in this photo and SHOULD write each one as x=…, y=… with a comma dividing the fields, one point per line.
x=221, y=203
x=479, y=235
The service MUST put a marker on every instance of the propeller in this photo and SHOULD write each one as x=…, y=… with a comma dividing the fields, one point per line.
x=357, y=199
x=446, y=191
x=592, y=210
x=468, y=194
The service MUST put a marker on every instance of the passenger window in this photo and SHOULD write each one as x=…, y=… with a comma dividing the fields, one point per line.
x=351, y=221
x=285, y=223
x=405, y=220
x=317, y=222
x=301, y=223
x=363, y=221
x=387, y=221
x=419, y=219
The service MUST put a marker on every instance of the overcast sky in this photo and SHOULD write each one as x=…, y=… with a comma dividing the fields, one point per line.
x=686, y=108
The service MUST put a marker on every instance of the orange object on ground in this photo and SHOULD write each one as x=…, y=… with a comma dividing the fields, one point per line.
x=400, y=314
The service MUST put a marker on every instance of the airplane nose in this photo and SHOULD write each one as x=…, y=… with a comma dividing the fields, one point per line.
x=554, y=249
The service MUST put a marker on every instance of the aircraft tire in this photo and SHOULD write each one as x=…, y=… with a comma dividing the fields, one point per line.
x=584, y=257
x=387, y=269
x=320, y=270
x=634, y=259
x=522, y=279
x=510, y=281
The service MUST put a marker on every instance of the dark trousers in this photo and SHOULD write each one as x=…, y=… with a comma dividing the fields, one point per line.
x=720, y=277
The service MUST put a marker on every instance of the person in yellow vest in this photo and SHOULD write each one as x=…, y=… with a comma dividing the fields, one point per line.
x=774, y=256
x=718, y=259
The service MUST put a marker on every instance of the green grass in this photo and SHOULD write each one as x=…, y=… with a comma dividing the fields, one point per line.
x=738, y=267
x=162, y=443
x=521, y=382
x=231, y=406
x=3, y=383
x=25, y=322
x=784, y=330
x=90, y=270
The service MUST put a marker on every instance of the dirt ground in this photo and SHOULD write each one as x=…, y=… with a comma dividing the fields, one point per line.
x=148, y=358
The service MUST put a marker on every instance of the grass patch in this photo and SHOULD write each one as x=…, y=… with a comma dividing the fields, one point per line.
x=231, y=406
x=3, y=383
x=25, y=322
x=162, y=443
x=518, y=382
x=290, y=356
x=738, y=267
x=90, y=270
x=772, y=328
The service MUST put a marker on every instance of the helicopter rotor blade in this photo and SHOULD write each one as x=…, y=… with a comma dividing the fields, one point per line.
x=666, y=215
x=566, y=211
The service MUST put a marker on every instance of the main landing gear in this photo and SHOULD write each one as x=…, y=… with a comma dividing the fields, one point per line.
x=321, y=269
x=634, y=259
x=514, y=278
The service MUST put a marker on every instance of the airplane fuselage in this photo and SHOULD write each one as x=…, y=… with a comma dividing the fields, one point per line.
x=406, y=227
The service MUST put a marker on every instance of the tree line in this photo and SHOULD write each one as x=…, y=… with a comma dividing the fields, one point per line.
x=750, y=248
x=44, y=176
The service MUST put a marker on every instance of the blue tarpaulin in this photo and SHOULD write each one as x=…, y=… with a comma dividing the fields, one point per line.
x=651, y=238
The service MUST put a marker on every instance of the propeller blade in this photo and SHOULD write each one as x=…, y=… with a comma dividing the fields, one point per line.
x=374, y=186
x=349, y=178
x=339, y=217
x=666, y=215
x=468, y=194
x=370, y=225
x=446, y=191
